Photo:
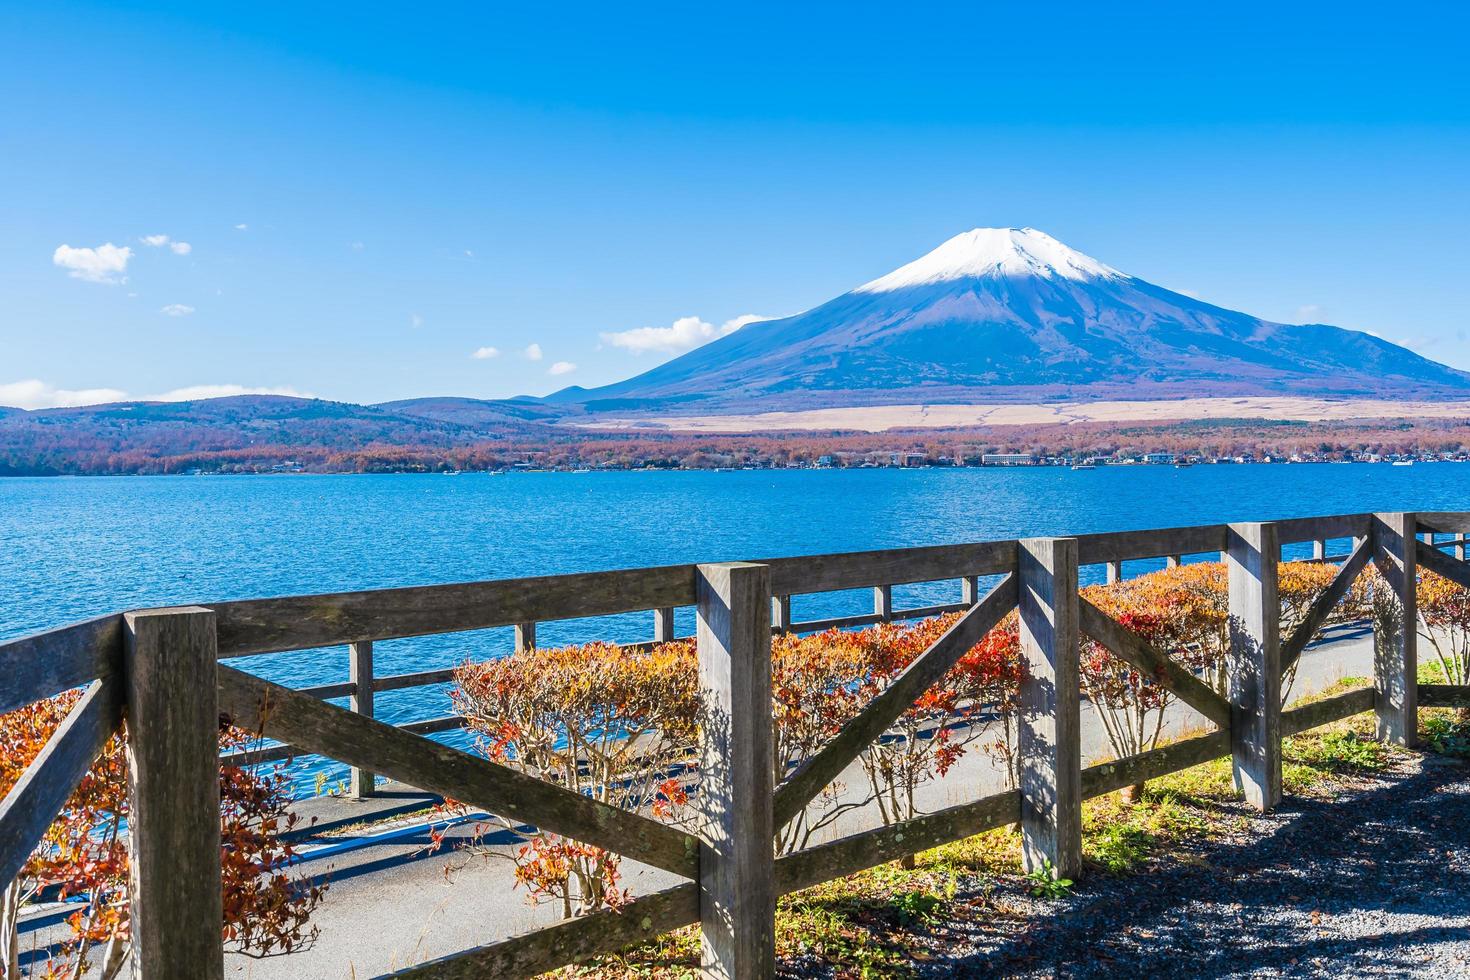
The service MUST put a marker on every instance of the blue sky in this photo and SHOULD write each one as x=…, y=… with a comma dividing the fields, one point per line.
x=371, y=194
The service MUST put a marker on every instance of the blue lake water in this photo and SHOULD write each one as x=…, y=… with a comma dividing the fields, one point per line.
x=75, y=548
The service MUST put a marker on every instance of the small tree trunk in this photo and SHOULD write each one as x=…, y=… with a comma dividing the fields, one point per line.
x=908, y=862
x=1132, y=794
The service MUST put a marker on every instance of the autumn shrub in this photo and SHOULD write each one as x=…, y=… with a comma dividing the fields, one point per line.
x=1178, y=620
x=934, y=733
x=619, y=725
x=83, y=858
x=1299, y=584
x=611, y=723
x=817, y=686
x=1444, y=621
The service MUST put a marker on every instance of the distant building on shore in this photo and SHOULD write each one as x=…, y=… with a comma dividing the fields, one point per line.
x=1007, y=459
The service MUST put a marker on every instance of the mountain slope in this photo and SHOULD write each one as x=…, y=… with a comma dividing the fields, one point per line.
x=1015, y=315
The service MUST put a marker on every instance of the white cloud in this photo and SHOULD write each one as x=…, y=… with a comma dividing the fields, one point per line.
x=158, y=241
x=485, y=353
x=415, y=321
x=356, y=246
x=684, y=334
x=177, y=309
x=242, y=226
x=1309, y=313
x=34, y=393
x=105, y=263
x=533, y=352
x=194, y=393
x=561, y=367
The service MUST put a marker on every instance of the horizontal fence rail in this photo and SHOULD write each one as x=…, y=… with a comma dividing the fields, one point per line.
x=142, y=664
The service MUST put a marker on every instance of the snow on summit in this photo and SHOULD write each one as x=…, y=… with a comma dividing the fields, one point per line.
x=994, y=252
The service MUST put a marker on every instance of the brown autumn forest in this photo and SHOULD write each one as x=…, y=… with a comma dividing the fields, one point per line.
x=68, y=450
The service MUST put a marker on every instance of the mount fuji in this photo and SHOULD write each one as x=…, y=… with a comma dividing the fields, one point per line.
x=1013, y=315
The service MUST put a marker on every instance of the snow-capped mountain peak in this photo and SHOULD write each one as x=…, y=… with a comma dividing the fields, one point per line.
x=994, y=252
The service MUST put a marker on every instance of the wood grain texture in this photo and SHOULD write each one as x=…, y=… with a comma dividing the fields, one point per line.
x=1311, y=528
x=897, y=566
x=314, y=726
x=360, y=669
x=1395, y=628
x=48, y=782
x=302, y=622
x=421, y=678
x=45, y=664
x=663, y=625
x=1326, y=711
x=737, y=884
x=1322, y=606
x=1444, y=696
x=173, y=793
x=1444, y=521
x=868, y=849
x=1106, y=777
x=1050, y=723
x=811, y=777
x=883, y=602
x=1436, y=561
x=1153, y=663
x=570, y=941
x=1096, y=549
x=1254, y=658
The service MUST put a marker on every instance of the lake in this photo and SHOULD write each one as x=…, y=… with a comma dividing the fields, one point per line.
x=75, y=548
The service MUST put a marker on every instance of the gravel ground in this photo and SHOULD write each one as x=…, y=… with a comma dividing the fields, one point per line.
x=1374, y=882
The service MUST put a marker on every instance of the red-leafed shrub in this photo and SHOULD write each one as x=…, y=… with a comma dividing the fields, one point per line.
x=84, y=856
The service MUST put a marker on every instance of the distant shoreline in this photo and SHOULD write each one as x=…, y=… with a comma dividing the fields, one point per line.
x=884, y=418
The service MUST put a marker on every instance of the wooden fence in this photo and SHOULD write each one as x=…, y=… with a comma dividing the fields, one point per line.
x=154, y=667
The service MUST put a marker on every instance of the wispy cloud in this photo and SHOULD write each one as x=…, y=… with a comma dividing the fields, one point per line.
x=104, y=264
x=177, y=309
x=485, y=353
x=684, y=334
x=356, y=246
x=415, y=321
x=242, y=226
x=34, y=393
x=194, y=393
x=561, y=367
x=533, y=352
x=159, y=241
x=1309, y=313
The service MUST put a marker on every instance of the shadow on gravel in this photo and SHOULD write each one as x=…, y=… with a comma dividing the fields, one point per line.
x=1373, y=883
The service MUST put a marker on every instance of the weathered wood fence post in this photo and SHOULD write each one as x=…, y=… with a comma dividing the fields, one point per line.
x=663, y=625
x=1114, y=572
x=173, y=794
x=1395, y=630
x=360, y=674
x=737, y=888
x=970, y=589
x=1253, y=551
x=781, y=613
x=1319, y=549
x=525, y=637
x=883, y=603
x=1050, y=727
